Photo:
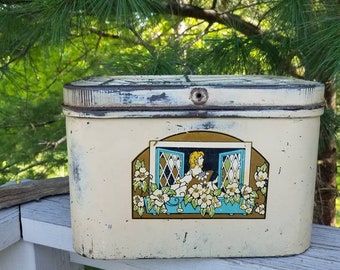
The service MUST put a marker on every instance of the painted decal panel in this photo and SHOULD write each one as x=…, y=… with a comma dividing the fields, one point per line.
x=199, y=174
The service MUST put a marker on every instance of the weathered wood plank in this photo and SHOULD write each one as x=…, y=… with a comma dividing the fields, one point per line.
x=54, y=209
x=47, y=222
x=9, y=227
x=325, y=237
x=16, y=194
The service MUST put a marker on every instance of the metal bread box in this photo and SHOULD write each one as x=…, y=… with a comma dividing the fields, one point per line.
x=192, y=166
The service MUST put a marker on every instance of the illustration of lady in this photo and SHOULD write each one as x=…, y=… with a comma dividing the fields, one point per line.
x=198, y=175
x=196, y=160
x=195, y=175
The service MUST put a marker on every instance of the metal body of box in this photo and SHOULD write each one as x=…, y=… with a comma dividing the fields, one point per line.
x=192, y=166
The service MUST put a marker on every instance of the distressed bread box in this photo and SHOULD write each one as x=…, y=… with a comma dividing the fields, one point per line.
x=192, y=166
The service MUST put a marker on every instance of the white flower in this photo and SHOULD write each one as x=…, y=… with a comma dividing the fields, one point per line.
x=232, y=190
x=261, y=176
x=247, y=207
x=140, y=175
x=196, y=191
x=260, y=184
x=205, y=200
x=159, y=197
x=138, y=201
x=246, y=192
x=260, y=209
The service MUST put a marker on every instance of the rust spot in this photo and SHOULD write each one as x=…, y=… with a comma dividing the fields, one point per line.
x=160, y=97
x=185, y=237
x=208, y=125
x=76, y=171
x=279, y=170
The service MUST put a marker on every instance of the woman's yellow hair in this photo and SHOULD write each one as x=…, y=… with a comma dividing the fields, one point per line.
x=193, y=158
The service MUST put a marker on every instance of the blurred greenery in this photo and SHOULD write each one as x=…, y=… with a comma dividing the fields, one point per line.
x=45, y=44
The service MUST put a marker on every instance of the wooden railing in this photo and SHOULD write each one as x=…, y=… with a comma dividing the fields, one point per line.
x=37, y=235
x=17, y=193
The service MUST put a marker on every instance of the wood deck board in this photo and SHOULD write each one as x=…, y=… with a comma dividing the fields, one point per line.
x=324, y=252
x=9, y=227
x=54, y=209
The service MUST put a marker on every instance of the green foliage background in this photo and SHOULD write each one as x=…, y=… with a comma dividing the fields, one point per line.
x=47, y=43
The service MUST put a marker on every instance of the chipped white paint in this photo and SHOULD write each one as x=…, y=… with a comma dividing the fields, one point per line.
x=171, y=92
x=106, y=130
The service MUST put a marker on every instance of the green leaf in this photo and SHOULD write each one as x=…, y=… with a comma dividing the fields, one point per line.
x=153, y=187
x=166, y=189
x=194, y=203
x=138, y=165
x=157, y=209
x=171, y=192
x=140, y=211
x=211, y=211
x=150, y=203
x=187, y=199
x=217, y=192
x=136, y=185
x=144, y=186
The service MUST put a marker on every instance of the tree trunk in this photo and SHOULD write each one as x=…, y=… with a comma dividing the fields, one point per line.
x=326, y=190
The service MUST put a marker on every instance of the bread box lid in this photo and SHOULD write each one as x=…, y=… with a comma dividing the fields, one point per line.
x=193, y=95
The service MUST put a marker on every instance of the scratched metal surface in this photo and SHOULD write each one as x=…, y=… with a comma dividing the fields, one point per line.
x=192, y=93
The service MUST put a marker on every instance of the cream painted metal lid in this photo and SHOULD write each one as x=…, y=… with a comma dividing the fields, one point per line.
x=195, y=95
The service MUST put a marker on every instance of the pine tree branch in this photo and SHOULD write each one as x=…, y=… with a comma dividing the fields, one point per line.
x=147, y=46
x=237, y=23
x=198, y=37
x=212, y=16
x=53, y=144
x=20, y=55
x=100, y=33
